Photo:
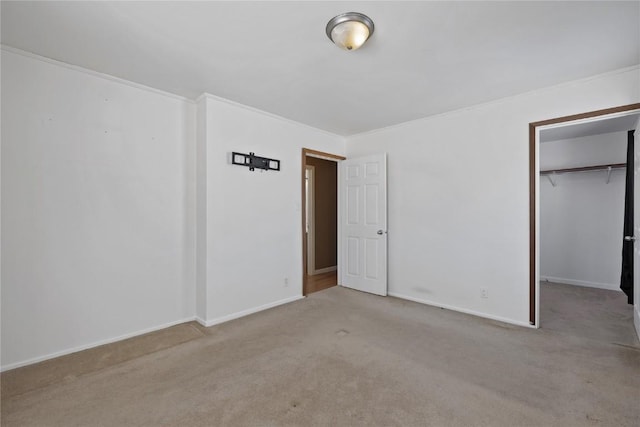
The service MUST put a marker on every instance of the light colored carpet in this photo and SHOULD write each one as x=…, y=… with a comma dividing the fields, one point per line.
x=592, y=313
x=345, y=358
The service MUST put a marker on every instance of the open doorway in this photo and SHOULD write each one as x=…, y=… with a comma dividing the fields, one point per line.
x=587, y=188
x=319, y=220
x=582, y=210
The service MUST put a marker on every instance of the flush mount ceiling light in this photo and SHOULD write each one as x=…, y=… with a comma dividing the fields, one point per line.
x=349, y=30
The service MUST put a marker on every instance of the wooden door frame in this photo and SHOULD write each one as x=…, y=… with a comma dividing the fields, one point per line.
x=533, y=175
x=321, y=155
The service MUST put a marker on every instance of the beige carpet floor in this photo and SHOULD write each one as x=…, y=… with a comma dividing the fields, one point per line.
x=344, y=358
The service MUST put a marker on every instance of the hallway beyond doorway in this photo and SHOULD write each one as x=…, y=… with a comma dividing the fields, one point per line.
x=320, y=282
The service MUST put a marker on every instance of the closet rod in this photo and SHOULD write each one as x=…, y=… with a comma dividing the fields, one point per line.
x=585, y=168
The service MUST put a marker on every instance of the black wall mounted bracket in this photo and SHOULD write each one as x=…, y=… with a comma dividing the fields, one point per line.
x=254, y=162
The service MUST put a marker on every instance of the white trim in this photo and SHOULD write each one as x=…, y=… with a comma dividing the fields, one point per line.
x=201, y=321
x=339, y=261
x=232, y=316
x=310, y=201
x=536, y=273
x=583, y=283
x=94, y=73
x=268, y=114
x=495, y=101
x=324, y=270
x=462, y=310
x=636, y=320
x=94, y=344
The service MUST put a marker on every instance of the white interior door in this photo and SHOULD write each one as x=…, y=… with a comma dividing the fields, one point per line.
x=363, y=223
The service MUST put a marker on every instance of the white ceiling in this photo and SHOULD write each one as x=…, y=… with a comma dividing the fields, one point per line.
x=424, y=58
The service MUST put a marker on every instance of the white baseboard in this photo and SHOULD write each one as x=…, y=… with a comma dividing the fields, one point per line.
x=584, y=283
x=636, y=319
x=243, y=313
x=462, y=310
x=323, y=270
x=38, y=359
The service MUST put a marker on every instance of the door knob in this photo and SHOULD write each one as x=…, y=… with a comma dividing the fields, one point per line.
x=629, y=238
x=380, y=232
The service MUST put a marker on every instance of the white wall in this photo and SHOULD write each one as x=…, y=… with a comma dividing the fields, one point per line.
x=458, y=195
x=100, y=205
x=97, y=209
x=581, y=218
x=104, y=183
x=253, y=219
x=585, y=151
x=202, y=125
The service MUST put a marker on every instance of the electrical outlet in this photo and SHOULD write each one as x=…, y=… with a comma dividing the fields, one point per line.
x=286, y=282
x=484, y=293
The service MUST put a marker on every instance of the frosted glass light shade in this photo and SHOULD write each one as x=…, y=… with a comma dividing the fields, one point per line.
x=350, y=30
x=350, y=35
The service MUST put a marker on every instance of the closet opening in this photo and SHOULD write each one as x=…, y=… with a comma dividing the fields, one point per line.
x=578, y=184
